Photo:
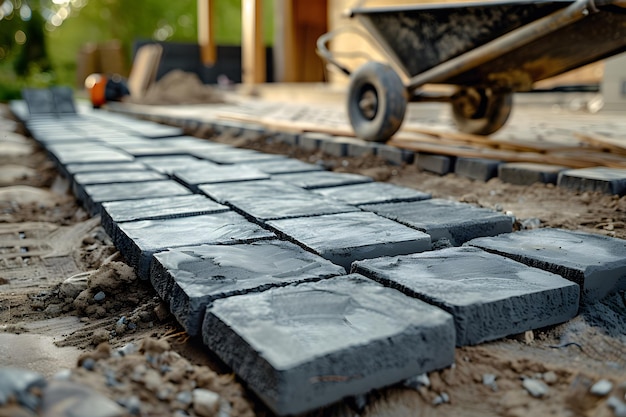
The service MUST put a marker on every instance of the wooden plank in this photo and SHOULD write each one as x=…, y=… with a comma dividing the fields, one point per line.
x=602, y=142
x=206, y=33
x=252, y=45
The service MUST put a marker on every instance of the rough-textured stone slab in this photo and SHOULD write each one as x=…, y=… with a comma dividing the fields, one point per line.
x=111, y=166
x=169, y=164
x=443, y=219
x=312, y=141
x=284, y=166
x=190, y=278
x=321, y=179
x=490, y=296
x=235, y=156
x=372, y=193
x=156, y=208
x=268, y=200
x=97, y=194
x=116, y=177
x=215, y=174
x=338, y=146
x=90, y=153
x=310, y=345
x=346, y=237
x=605, y=180
x=526, y=173
x=596, y=263
x=477, y=168
x=154, y=149
x=139, y=240
x=438, y=164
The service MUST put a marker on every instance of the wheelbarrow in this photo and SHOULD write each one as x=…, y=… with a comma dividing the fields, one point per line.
x=487, y=51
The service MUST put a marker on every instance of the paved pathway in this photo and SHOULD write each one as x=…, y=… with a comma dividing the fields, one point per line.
x=311, y=285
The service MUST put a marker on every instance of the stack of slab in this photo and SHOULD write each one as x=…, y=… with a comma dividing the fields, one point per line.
x=313, y=285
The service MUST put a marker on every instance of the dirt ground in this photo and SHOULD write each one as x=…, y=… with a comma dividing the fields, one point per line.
x=63, y=283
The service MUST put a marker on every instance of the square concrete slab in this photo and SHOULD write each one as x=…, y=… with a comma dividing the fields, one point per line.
x=596, y=263
x=443, y=219
x=321, y=179
x=309, y=345
x=95, y=195
x=269, y=200
x=526, y=173
x=116, y=177
x=90, y=153
x=190, y=278
x=139, y=240
x=169, y=164
x=216, y=174
x=284, y=166
x=395, y=155
x=438, y=164
x=605, y=180
x=107, y=166
x=156, y=208
x=372, y=193
x=235, y=156
x=477, y=168
x=346, y=237
x=490, y=296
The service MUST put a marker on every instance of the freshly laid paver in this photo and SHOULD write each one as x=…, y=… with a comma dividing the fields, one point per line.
x=443, y=219
x=169, y=164
x=284, y=166
x=215, y=174
x=476, y=168
x=438, y=164
x=116, y=177
x=97, y=194
x=87, y=153
x=372, y=193
x=139, y=240
x=605, y=180
x=269, y=200
x=321, y=179
x=526, y=173
x=306, y=346
x=156, y=208
x=235, y=156
x=190, y=278
x=346, y=237
x=490, y=296
x=596, y=263
x=73, y=169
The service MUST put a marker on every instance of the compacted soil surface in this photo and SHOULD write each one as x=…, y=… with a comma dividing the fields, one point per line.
x=71, y=309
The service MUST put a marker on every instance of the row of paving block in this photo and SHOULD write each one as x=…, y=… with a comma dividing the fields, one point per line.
x=602, y=179
x=314, y=285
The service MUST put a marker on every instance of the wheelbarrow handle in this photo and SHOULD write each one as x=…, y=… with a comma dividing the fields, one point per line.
x=330, y=57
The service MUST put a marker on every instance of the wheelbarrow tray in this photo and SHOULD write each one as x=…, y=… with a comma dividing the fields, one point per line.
x=422, y=37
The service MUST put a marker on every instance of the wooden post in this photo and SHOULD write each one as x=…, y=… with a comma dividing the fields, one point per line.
x=252, y=45
x=206, y=38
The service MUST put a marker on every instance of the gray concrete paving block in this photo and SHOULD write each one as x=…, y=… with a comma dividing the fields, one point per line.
x=216, y=174
x=116, y=177
x=105, y=167
x=346, y=237
x=395, y=155
x=338, y=145
x=438, y=164
x=321, y=179
x=269, y=200
x=309, y=345
x=156, y=208
x=312, y=141
x=361, y=148
x=154, y=130
x=139, y=240
x=155, y=149
x=596, y=263
x=235, y=156
x=477, y=168
x=605, y=180
x=87, y=153
x=190, y=278
x=288, y=138
x=490, y=296
x=526, y=173
x=284, y=166
x=372, y=193
x=443, y=219
x=169, y=164
x=95, y=195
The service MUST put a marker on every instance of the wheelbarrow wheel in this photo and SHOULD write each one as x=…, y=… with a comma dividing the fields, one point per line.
x=481, y=111
x=376, y=102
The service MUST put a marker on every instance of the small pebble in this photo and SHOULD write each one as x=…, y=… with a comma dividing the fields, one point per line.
x=89, y=364
x=550, y=377
x=618, y=406
x=184, y=397
x=417, y=381
x=535, y=388
x=205, y=402
x=132, y=404
x=442, y=398
x=601, y=388
x=99, y=296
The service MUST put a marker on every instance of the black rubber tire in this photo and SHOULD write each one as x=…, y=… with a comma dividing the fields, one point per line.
x=387, y=98
x=487, y=117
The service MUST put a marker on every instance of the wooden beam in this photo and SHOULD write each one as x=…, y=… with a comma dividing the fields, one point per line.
x=252, y=45
x=206, y=38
